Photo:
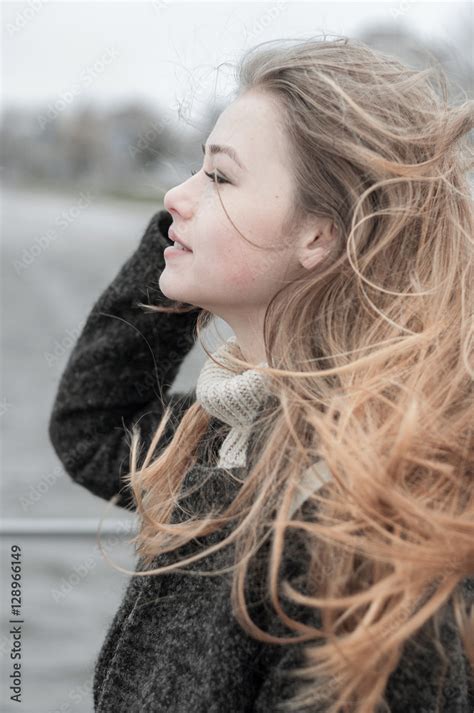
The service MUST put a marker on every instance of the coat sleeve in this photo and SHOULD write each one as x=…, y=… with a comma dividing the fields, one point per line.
x=119, y=373
x=422, y=681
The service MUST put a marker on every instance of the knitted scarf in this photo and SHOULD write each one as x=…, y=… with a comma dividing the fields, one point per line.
x=235, y=398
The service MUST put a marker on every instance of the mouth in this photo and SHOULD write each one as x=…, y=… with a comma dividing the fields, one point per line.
x=178, y=242
x=172, y=251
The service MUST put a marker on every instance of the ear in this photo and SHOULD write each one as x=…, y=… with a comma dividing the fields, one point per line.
x=316, y=244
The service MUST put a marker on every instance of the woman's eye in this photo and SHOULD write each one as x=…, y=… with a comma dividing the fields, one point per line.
x=212, y=176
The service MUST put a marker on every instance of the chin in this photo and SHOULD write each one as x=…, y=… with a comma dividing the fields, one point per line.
x=167, y=289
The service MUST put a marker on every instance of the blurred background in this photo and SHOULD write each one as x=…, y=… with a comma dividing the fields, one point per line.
x=104, y=106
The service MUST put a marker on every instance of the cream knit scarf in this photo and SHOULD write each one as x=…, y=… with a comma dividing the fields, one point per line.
x=235, y=398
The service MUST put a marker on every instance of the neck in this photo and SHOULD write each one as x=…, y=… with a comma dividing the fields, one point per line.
x=249, y=335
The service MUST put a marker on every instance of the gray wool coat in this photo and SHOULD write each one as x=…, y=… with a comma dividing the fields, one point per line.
x=174, y=645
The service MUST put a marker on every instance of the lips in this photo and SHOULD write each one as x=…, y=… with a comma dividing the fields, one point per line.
x=175, y=237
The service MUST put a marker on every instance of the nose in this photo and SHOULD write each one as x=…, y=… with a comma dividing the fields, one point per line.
x=179, y=200
x=168, y=200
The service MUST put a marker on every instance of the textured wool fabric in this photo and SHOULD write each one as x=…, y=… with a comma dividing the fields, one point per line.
x=234, y=398
x=174, y=645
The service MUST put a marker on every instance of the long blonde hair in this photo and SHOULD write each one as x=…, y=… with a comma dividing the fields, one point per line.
x=369, y=360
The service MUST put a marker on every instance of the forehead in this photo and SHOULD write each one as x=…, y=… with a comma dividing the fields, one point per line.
x=250, y=125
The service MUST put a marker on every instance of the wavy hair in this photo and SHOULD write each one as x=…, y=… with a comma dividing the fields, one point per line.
x=370, y=363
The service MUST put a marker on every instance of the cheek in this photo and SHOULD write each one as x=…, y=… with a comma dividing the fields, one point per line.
x=226, y=271
x=232, y=267
x=252, y=272
x=231, y=273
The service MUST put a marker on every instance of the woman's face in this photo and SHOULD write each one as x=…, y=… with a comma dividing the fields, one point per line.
x=224, y=274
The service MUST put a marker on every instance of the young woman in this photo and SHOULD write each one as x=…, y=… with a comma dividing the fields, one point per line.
x=306, y=512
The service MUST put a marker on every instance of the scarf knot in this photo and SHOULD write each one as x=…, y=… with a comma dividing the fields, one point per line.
x=233, y=398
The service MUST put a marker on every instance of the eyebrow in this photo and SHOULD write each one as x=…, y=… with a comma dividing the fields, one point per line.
x=217, y=148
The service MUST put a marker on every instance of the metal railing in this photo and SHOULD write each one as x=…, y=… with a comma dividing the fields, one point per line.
x=63, y=526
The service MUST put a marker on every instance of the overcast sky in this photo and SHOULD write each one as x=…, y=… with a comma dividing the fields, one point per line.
x=161, y=50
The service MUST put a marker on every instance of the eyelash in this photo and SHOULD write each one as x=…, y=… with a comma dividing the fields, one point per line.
x=212, y=177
